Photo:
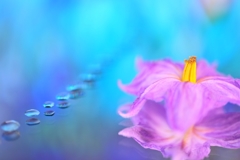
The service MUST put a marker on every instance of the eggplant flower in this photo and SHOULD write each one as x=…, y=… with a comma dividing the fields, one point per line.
x=152, y=129
x=198, y=83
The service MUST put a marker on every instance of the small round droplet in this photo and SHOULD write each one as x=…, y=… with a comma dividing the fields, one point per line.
x=32, y=121
x=10, y=125
x=76, y=94
x=49, y=113
x=62, y=96
x=63, y=104
x=74, y=87
x=48, y=104
x=11, y=136
x=88, y=80
x=75, y=91
x=32, y=112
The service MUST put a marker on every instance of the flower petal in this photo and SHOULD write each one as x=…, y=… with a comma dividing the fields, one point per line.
x=155, y=91
x=196, y=148
x=147, y=138
x=130, y=110
x=221, y=129
x=151, y=72
x=153, y=116
x=222, y=90
x=205, y=70
x=151, y=130
x=186, y=104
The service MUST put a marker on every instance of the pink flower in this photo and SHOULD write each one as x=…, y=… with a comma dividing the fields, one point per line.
x=191, y=90
x=152, y=128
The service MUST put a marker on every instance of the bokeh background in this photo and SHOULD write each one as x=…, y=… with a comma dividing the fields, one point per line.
x=46, y=45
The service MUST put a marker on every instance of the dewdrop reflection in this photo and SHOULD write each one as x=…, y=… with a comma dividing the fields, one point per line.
x=49, y=113
x=32, y=121
x=63, y=104
x=11, y=136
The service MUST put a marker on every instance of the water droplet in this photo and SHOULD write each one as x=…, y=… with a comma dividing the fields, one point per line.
x=48, y=104
x=62, y=96
x=88, y=78
x=49, y=113
x=32, y=112
x=63, y=104
x=75, y=91
x=10, y=126
x=32, y=121
x=11, y=136
x=76, y=94
x=74, y=87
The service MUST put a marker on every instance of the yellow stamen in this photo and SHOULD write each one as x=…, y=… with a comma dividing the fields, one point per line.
x=190, y=70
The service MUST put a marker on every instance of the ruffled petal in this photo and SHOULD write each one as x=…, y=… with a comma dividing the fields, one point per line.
x=221, y=129
x=204, y=69
x=222, y=90
x=196, y=148
x=151, y=72
x=153, y=114
x=150, y=128
x=170, y=146
x=130, y=110
x=147, y=138
x=155, y=91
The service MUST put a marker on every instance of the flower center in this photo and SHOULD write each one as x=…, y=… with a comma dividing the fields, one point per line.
x=190, y=70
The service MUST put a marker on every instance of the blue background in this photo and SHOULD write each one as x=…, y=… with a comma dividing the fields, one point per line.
x=46, y=45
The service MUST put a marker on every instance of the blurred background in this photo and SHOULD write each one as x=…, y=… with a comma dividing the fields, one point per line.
x=46, y=45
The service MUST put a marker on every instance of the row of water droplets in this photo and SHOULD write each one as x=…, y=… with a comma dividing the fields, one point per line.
x=75, y=91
